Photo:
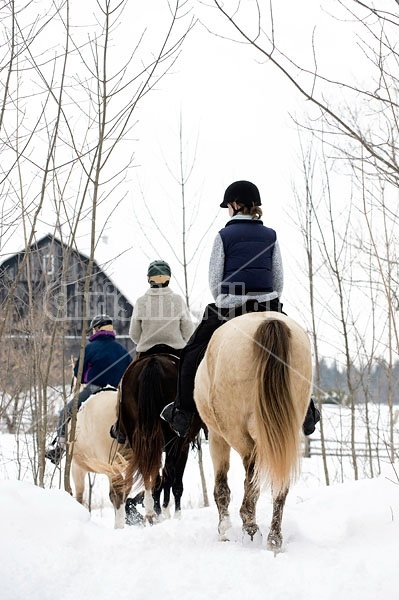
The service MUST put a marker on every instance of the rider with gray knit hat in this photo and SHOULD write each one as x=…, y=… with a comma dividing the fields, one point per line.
x=161, y=321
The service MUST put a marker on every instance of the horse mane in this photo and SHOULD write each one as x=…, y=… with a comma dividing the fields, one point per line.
x=277, y=421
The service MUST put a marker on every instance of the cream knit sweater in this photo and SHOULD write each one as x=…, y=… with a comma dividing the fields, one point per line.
x=160, y=317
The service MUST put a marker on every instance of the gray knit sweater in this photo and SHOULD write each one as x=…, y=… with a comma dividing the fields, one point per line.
x=160, y=317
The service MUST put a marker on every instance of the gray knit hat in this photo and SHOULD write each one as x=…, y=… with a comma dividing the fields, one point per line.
x=159, y=267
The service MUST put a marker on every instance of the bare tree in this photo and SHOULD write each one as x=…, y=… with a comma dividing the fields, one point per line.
x=363, y=129
x=356, y=120
x=68, y=107
x=185, y=208
x=306, y=209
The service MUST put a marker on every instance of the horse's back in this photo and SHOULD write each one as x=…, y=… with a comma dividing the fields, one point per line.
x=225, y=385
x=94, y=420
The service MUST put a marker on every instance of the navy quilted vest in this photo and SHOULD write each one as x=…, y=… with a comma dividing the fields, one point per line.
x=248, y=250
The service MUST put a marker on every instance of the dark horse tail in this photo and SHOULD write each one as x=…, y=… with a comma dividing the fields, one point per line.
x=147, y=437
x=277, y=422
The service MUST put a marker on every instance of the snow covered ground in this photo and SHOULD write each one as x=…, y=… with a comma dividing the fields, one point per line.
x=340, y=541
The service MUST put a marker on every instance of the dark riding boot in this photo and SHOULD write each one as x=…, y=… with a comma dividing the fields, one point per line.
x=180, y=420
x=55, y=454
x=312, y=417
x=117, y=435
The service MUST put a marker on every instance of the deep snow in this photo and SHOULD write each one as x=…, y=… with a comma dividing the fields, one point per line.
x=340, y=542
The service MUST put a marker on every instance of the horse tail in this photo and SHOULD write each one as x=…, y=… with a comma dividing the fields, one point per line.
x=147, y=438
x=277, y=422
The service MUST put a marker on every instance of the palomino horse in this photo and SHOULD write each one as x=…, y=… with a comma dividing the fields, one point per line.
x=252, y=390
x=94, y=447
x=148, y=385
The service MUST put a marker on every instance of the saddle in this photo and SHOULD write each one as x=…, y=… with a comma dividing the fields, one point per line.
x=157, y=350
x=102, y=389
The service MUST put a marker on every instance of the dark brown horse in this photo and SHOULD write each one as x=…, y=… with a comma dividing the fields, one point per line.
x=147, y=386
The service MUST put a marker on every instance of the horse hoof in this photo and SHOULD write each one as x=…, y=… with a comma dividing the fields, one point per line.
x=251, y=530
x=274, y=543
x=252, y=536
x=152, y=519
x=165, y=514
x=224, y=525
x=224, y=538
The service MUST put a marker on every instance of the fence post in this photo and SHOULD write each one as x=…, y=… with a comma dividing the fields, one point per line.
x=307, y=450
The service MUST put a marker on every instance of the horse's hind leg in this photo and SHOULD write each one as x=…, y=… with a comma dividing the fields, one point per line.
x=166, y=487
x=156, y=495
x=220, y=453
x=150, y=514
x=118, y=498
x=248, y=506
x=78, y=476
x=177, y=486
x=177, y=489
x=275, y=539
x=175, y=464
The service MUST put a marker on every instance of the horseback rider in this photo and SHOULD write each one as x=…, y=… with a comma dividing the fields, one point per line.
x=161, y=321
x=105, y=361
x=245, y=275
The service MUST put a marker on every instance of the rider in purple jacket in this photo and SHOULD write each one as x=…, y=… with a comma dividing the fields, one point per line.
x=105, y=361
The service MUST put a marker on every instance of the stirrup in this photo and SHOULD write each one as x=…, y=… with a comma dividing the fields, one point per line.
x=182, y=420
x=167, y=413
x=117, y=435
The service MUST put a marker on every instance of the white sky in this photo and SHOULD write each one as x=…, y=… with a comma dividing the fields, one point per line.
x=236, y=114
x=236, y=125
x=339, y=541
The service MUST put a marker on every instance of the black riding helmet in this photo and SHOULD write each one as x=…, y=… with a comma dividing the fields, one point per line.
x=99, y=321
x=242, y=192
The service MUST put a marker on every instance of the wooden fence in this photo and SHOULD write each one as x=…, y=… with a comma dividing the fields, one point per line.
x=343, y=448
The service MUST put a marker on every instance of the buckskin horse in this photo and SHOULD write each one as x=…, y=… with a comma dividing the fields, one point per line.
x=252, y=390
x=148, y=385
x=94, y=450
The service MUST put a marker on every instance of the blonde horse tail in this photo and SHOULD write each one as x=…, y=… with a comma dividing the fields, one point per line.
x=277, y=423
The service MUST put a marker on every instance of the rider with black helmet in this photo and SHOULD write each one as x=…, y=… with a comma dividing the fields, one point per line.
x=99, y=321
x=161, y=321
x=245, y=275
x=105, y=361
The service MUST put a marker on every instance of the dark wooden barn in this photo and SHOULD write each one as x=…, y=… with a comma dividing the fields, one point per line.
x=46, y=282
